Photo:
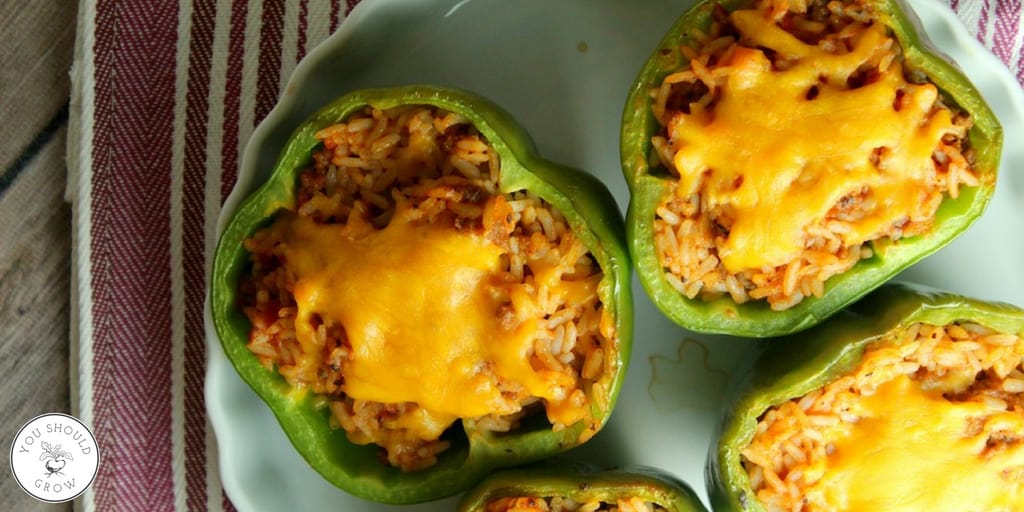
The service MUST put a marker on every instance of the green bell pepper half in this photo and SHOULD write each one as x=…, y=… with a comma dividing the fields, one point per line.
x=648, y=186
x=584, y=484
x=587, y=205
x=795, y=365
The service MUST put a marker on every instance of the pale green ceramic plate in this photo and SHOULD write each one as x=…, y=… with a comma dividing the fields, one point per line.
x=563, y=69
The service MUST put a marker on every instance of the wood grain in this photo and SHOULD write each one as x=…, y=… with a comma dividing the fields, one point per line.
x=37, y=42
x=35, y=224
x=34, y=305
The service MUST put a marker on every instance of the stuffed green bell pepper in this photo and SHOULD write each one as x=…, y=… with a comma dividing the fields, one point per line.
x=420, y=299
x=910, y=399
x=786, y=158
x=578, y=489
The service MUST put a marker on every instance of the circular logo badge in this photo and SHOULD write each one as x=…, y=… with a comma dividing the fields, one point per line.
x=54, y=457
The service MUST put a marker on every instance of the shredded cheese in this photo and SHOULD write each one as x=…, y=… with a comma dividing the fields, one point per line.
x=778, y=157
x=416, y=303
x=914, y=450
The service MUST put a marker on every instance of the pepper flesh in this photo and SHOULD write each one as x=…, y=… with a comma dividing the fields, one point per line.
x=791, y=367
x=584, y=485
x=649, y=185
x=584, y=201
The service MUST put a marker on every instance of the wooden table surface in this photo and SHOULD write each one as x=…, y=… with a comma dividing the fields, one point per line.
x=35, y=222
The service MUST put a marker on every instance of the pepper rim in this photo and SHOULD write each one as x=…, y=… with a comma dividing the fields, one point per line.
x=356, y=470
x=792, y=366
x=755, y=319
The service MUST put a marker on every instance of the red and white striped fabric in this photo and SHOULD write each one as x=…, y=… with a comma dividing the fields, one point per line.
x=165, y=96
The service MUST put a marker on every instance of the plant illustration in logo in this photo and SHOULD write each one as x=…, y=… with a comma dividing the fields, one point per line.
x=55, y=458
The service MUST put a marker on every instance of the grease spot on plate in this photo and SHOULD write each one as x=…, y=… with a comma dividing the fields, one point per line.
x=688, y=380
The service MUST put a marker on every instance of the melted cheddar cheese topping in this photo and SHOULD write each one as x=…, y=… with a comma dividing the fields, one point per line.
x=419, y=311
x=914, y=450
x=778, y=157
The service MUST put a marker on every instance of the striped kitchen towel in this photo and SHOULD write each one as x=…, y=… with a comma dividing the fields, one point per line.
x=165, y=97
